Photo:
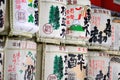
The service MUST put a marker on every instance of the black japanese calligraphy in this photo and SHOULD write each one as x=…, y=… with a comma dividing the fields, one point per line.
x=35, y=3
x=1, y=66
x=99, y=76
x=107, y=30
x=0, y=76
x=81, y=61
x=0, y=59
x=63, y=33
x=86, y=22
x=1, y=19
x=36, y=18
x=76, y=60
x=86, y=29
x=97, y=36
x=63, y=10
x=63, y=21
x=88, y=14
x=94, y=35
x=72, y=61
x=118, y=76
x=100, y=38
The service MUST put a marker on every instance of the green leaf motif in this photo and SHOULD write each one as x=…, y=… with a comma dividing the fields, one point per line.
x=30, y=5
x=31, y=18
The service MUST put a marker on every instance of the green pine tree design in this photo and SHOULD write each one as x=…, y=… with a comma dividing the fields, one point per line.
x=55, y=65
x=57, y=18
x=51, y=14
x=58, y=67
x=30, y=4
x=54, y=17
x=60, y=71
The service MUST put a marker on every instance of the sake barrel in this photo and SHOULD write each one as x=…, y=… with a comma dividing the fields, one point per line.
x=1, y=65
x=24, y=17
x=4, y=17
x=101, y=28
x=2, y=14
x=54, y=58
x=78, y=16
x=52, y=19
x=115, y=36
x=76, y=63
x=20, y=60
x=114, y=68
x=2, y=50
x=98, y=66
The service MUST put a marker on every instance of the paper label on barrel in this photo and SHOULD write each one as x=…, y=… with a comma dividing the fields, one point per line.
x=78, y=21
x=98, y=66
x=52, y=19
x=114, y=68
x=25, y=16
x=20, y=65
x=65, y=65
x=101, y=28
x=115, y=36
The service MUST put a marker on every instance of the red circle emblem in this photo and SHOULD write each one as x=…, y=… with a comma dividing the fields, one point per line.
x=47, y=28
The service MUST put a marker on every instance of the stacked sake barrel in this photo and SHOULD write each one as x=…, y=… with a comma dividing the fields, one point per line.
x=2, y=53
x=23, y=17
x=4, y=24
x=101, y=28
x=49, y=40
x=52, y=21
x=64, y=63
x=114, y=67
x=19, y=19
x=115, y=34
x=78, y=16
x=98, y=65
x=20, y=60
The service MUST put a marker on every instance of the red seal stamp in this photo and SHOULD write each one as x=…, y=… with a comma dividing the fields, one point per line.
x=47, y=28
x=52, y=77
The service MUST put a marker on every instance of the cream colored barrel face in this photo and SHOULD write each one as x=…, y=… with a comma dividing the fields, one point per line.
x=20, y=60
x=64, y=63
x=101, y=27
x=52, y=19
x=114, y=68
x=24, y=17
x=78, y=16
x=98, y=65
